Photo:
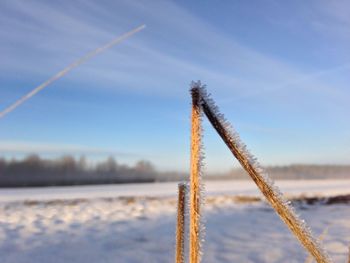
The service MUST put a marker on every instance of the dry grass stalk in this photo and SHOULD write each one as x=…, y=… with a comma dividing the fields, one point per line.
x=180, y=227
x=309, y=259
x=195, y=197
x=348, y=256
x=273, y=196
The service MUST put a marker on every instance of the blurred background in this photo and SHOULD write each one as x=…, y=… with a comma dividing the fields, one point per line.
x=279, y=71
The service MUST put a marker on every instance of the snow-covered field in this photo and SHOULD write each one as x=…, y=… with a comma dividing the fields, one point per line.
x=136, y=223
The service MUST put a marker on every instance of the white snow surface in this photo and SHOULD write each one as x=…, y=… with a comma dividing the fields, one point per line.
x=229, y=187
x=136, y=223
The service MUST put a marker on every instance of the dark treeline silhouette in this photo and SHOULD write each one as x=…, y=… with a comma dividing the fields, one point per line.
x=299, y=172
x=35, y=171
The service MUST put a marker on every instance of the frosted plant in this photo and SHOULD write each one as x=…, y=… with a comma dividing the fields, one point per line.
x=180, y=226
x=309, y=259
x=231, y=138
x=196, y=230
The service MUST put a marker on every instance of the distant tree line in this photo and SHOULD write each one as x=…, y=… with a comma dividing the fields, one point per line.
x=299, y=172
x=67, y=170
x=35, y=171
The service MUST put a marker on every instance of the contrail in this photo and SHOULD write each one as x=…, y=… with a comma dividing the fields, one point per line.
x=69, y=68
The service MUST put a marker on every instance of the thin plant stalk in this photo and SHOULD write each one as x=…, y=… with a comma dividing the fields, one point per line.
x=180, y=226
x=195, y=197
x=309, y=258
x=297, y=227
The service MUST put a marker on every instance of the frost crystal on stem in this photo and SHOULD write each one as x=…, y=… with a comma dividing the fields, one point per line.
x=195, y=179
x=255, y=171
x=180, y=227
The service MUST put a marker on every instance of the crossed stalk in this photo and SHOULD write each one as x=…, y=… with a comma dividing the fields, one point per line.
x=202, y=103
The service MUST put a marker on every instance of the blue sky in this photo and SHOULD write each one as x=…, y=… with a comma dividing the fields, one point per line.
x=279, y=70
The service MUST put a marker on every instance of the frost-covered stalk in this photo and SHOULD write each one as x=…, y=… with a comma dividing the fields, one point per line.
x=262, y=180
x=180, y=226
x=309, y=258
x=195, y=176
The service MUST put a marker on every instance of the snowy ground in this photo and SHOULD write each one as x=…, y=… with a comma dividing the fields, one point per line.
x=136, y=223
x=240, y=187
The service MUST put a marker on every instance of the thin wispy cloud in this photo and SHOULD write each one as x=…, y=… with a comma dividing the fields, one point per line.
x=67, y=69
x=334, y=18
x=229, y=65
x=311, y=81
x=232, y=58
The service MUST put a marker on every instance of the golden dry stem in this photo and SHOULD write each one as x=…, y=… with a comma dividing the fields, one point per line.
x=309, y=258
x=180, y=226
x=349, y=256
x=195, y=198
x=284, y=211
